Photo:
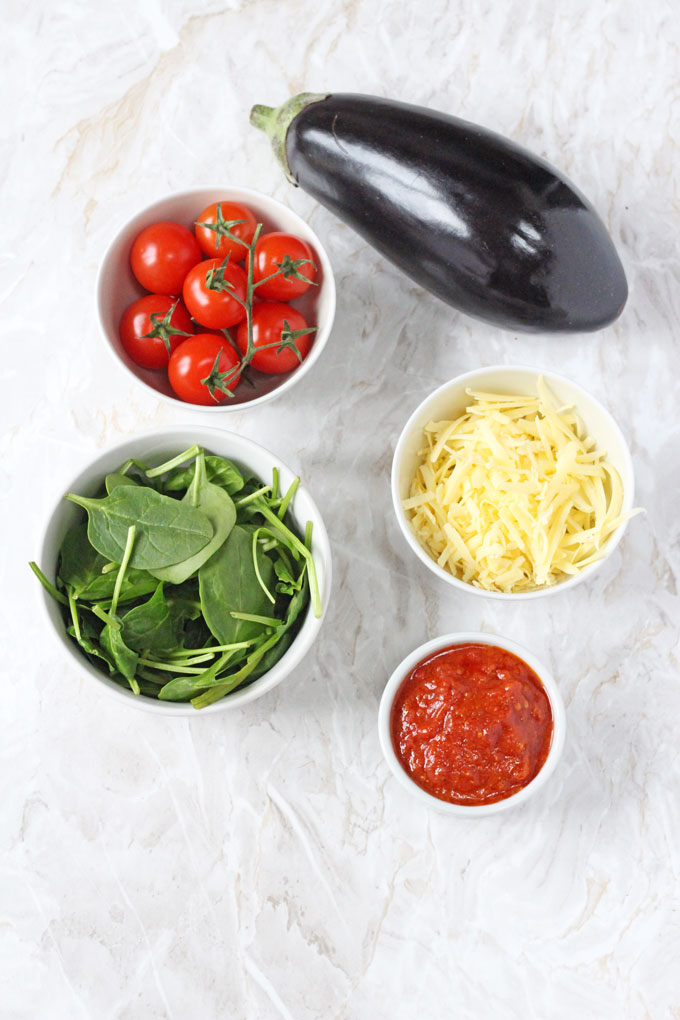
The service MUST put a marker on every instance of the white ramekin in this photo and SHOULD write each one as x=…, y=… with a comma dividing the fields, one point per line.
x=465, y=638
x=450, y=400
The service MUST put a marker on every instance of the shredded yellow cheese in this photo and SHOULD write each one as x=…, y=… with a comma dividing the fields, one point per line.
x=513, y=496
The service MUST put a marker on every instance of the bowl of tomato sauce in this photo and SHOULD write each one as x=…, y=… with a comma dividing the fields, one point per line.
x=472, y=724
x=172, y=285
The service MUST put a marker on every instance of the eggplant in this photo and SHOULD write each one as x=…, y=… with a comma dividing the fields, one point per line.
x=485, y=225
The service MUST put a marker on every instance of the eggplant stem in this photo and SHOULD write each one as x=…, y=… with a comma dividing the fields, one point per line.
x=262, y=116
x=275, y=121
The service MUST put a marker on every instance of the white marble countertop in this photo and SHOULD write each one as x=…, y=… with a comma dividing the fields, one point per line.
x=263, y=863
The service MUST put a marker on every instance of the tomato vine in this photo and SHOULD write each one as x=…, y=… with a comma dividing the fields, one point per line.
x=215, y=280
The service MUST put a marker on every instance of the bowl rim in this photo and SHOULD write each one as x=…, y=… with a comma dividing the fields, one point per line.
x=242, y=194
x=240, y=697
x=444, y=575
x=455, y=638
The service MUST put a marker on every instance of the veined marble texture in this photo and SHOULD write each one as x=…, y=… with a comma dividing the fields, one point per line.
x=263, y=863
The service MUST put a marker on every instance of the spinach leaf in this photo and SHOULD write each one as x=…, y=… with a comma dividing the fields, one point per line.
x=150, y=626
x=81, y=567
x=115, y=479
x=167, y=531
x=286, y=634
x=195, y=633
x=230, y=683
x=182, y=609
x=147, y=687
x=89, y=642
x=218, y=507
x=182, y=688
x=228, y=582
x=124, y=658
x=287, y=582
x=219, y=471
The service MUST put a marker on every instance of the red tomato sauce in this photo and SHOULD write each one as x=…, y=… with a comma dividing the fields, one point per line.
x=472, y=724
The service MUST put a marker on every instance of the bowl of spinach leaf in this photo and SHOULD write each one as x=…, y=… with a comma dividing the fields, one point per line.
x=186, y=569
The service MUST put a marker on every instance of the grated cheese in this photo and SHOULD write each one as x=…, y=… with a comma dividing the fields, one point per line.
x=512, y=495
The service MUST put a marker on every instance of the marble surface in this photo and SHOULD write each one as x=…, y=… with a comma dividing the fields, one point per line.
x=263, y=863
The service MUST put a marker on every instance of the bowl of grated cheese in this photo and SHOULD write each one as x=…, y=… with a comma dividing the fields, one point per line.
x=510, y=482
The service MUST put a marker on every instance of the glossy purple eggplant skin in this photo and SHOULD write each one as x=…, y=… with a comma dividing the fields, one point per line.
x=485, y=225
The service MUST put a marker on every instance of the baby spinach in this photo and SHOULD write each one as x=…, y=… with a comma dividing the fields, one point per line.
x=286, y=633
x=111, y=639
x=89, y=641
x=230, y=683
x=218, y=507
x=196, y=633
x=228, y=581
x=183, y=610
x=167, y=530
x=115, y=479
x=183, y=688
x=287, y=582
x=81, y=567
x=150, y=626
x=124, y=658
x=184, y=597
x=219, y=471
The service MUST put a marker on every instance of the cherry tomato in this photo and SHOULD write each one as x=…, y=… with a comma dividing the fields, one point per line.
x=216, y=245
x=205, y=356
x=207, y=295
x=269, y=319
x=270, y=252
x=162, y=255
x=136, y=323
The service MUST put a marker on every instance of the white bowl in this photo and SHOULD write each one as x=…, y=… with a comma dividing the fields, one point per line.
x=156, y=447
x=464, y=638
x=117, y=288
x=450, y=400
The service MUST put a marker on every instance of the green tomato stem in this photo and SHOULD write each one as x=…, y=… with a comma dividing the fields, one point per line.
x=250, y=289
x=247, y=356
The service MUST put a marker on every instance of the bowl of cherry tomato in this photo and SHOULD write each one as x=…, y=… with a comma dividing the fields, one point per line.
x=216, y=298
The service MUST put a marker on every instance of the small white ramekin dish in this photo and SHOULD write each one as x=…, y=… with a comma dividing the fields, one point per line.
x=155, y=447
x=117, y=288
x=466, y=638
x=450, y=400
